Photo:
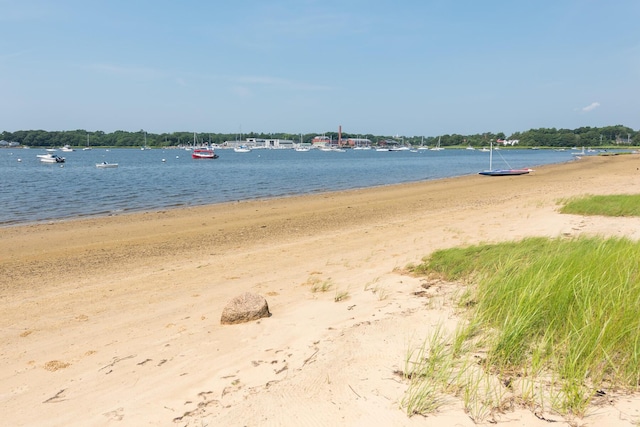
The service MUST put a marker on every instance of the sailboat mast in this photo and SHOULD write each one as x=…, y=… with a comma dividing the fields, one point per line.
x=491, y=157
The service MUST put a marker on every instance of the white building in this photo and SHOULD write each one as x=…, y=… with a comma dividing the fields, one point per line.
x=276, y=144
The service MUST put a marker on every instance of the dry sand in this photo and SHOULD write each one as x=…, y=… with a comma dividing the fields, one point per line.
x=115, y=320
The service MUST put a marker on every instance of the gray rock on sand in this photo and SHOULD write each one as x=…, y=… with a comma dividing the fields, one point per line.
x=245, y=308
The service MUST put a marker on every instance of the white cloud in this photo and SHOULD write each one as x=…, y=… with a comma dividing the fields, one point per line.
x=135, y=72
x=591, y=107
x=275, y=81
x=241, y=91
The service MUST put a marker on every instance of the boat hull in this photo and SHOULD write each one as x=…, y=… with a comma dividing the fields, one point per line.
x=203, y=154
x=50, y=158
x=505, y=172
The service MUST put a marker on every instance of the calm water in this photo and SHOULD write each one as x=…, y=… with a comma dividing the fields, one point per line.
x=156, y=179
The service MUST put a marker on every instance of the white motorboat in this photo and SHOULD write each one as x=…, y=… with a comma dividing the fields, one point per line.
x=50, y=158
x=106, y=165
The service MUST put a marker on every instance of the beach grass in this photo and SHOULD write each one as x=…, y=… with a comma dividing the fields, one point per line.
x=554, y=320
x=612, y=205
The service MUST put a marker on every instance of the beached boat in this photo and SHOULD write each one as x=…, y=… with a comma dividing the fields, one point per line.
x=501, y=172
x=505, y=172
x=106, y=165
x=50, y=158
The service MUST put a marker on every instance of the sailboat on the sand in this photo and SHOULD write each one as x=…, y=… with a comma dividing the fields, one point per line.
x=502, y=172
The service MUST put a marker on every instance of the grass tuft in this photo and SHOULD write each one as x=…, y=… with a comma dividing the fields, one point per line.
x=555, y=314
x=341, y=296
x=613, y=205
x=319, y=285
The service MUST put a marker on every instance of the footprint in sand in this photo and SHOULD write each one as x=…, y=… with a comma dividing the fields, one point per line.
x=116, y=415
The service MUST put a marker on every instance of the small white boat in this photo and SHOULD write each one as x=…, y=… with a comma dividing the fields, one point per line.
x=67, y=148
x=242, y=149
x=106, y=165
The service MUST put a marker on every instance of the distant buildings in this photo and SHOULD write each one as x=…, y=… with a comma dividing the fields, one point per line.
x=619, y=140
x=262, y=143
x=4, y=143
x=321, y=141
x=325, y=141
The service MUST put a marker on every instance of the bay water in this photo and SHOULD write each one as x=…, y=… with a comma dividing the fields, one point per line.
x=32, y=191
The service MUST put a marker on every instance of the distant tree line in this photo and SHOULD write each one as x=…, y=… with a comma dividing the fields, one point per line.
x=543, y=137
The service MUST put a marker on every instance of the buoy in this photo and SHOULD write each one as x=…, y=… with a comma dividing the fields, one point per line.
x=163, y=160
x=19, y=160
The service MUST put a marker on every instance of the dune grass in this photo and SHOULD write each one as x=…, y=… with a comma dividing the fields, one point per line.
x=613, y=205
x=554, y=320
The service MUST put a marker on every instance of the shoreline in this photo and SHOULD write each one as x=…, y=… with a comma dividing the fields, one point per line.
x=116, y=318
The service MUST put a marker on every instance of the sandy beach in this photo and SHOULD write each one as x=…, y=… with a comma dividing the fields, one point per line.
x=115, y=321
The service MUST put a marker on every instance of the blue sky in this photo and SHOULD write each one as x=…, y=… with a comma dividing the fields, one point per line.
x=402, y=67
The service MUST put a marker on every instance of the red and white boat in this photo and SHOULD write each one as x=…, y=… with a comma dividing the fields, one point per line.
x=203, y=153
